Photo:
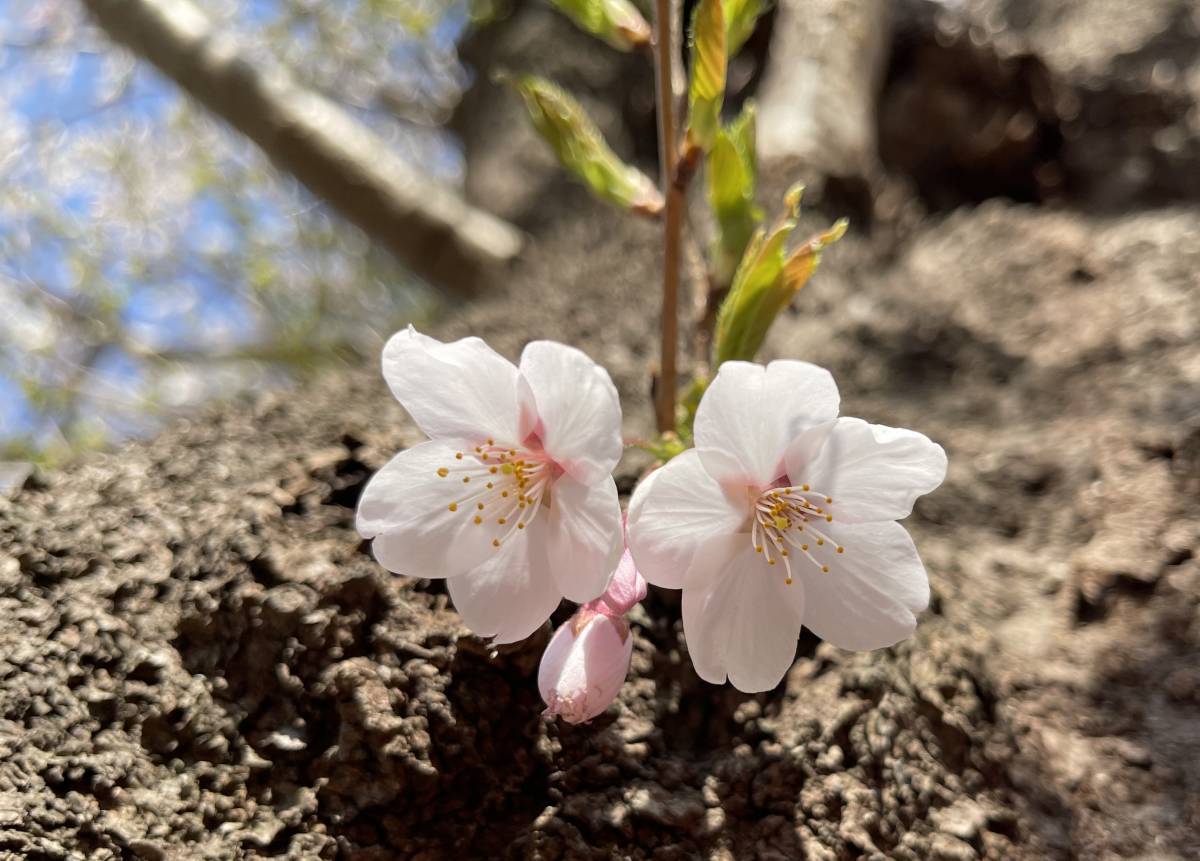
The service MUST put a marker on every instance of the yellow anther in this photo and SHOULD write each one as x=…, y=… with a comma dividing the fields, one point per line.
x=829, y=518
x=804, y=487
x=770, y=561
x=804, y=547
x=828, y=500
x=824, y=569
x=443, y=472
x=783, y=552
x=491, y=441
x=458, y=455
x=787, y=582
x=478, y=450
x=520, y=526
x=493, y=469
x=758, y=549
x=820, y=541
x=479, y=505
x=502, y=521
x=466, y=479
x=504, y=493
x=495, y=542
x=478, y=520
x=507, y=469
x=453, y=506
x=841, y=550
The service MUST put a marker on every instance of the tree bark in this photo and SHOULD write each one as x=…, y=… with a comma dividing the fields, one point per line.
x=817, y=105
x=427, y=226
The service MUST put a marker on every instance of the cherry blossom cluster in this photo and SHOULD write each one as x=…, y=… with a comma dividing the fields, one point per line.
x=782, y=515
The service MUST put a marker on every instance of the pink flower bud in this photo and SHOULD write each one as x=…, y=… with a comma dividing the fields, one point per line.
x=585, y=665
x=625, y=590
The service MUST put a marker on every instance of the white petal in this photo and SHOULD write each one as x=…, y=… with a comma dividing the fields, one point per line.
x=872, y=592
x=405, y=508
x=578, y=409
x=583, y=536
x=743, y=623
x=509, y=596
x=871, y=472
x=461, y=390
x=749, y=414
x=673, y=511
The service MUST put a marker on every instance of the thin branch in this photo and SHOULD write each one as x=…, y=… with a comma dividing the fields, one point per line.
x=666, y=49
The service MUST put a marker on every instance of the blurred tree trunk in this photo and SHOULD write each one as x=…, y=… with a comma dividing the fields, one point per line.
x=819, y=96
x=427, y=226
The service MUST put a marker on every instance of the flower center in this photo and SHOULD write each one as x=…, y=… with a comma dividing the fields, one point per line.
x=502, y=487
x=789, y=519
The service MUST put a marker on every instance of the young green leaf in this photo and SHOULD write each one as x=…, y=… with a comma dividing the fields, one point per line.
x=663, y=447
x=740, y=18
x=616, y=22
x=582, y=150
x=706, y=90
x=731, y=174
x=764, y=284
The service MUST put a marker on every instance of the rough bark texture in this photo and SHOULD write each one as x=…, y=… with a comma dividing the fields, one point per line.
x=198, y=657
x=427, y=226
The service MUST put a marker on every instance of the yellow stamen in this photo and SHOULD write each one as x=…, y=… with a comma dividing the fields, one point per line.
x=443, y=472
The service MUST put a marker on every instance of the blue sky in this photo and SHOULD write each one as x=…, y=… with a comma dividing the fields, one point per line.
x=178, y=273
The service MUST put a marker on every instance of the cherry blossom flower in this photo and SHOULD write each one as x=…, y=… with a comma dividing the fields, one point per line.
x=587, y=660
x=784, y=515
x=511, y=499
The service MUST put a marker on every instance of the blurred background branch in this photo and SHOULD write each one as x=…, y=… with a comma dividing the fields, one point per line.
x=428, y=226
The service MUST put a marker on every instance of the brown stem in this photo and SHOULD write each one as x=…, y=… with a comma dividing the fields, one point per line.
x=665, y=50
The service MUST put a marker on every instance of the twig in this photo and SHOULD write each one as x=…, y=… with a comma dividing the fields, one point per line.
x=665, y=49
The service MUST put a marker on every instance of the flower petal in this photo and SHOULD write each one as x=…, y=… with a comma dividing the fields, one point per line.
x=460, y=390
x=872, y=592
x=743, y=622
x=871, y=472
x=749, y=414
x=405, y=508
x=578, y=409
x=509, y=596
x=583, y=536
x=673, y=511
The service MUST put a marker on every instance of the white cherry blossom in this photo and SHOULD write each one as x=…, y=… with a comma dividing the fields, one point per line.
x=784, y=515
x=511, y=499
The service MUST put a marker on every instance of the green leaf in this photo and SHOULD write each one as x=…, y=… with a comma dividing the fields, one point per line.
x=706, y=91
x=664, y=446
x=689, y=402
x=581, y=149
x=740, y=18
x=731, y=175
x=616, y=22
x=765, y=282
